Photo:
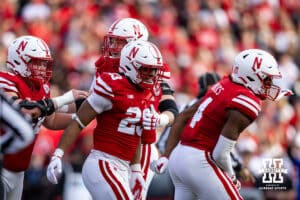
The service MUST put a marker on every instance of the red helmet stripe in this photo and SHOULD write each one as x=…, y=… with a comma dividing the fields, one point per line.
x=157, y=54
x=137, y=30
x=113, y=26
x=46, y=49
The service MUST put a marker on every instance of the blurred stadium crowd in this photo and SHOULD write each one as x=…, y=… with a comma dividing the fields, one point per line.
x=194, y=36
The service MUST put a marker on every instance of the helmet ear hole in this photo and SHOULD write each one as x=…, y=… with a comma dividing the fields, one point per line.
x=16, y=62
x=250, y=78
x=128, y=68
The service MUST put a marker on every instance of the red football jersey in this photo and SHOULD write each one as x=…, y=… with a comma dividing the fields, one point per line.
x=204, y=128
x=103, y=66
x=119, y=129
x=12, y=83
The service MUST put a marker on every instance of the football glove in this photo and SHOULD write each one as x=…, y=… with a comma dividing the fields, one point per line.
x=54, y=169
x=152, y=120
x=284, y=93
x=137, y=182
x=46, y=106
x=159, y=166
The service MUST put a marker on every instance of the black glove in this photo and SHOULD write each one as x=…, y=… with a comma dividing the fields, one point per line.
x=46, y=106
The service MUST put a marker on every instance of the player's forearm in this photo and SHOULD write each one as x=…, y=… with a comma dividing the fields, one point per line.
x=137, y=157
x=177, y=128
x=174, y=136
x=57, y=121
x=69, y=136
x=80, y=120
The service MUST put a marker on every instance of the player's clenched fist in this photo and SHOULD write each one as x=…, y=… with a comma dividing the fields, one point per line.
x=152, y=119
x=159, y=166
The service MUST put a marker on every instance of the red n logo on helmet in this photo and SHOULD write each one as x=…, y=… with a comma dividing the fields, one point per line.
x=46, y=49
x=158, y=60
x=137, y=31
x=22, y=46
x=257, y=63
x=132, y=53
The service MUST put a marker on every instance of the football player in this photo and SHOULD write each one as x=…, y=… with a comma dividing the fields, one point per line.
x=208, y=130
x=119, y=102
x=119, y=34
x=29, y=64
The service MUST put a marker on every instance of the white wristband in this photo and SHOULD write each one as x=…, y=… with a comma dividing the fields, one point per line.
x=163, y=120
x=58, y=152
x=64, y=99
x=136, y=167
x=63, y=109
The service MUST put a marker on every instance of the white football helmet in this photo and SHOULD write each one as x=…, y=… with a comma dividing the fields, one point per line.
x=30, y=57
x=119, y=34
x=142, y=63
x=255, y=69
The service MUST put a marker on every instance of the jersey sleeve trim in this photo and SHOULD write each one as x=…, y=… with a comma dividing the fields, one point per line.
x=99, y=103
x=248, y=103
x=102, y=87
x=7, y=85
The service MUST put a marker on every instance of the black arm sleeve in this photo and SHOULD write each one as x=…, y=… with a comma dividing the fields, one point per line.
x=166, y=89
x=169, y=105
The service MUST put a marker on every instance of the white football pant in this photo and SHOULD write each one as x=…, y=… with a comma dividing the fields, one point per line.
x=149, y=153
x=106, y=177
x=12, y=183
x=196, y=176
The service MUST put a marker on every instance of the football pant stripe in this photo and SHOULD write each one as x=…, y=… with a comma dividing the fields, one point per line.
x=145, y=159
x=231, y=183
x=228, y=185
x=112, y=180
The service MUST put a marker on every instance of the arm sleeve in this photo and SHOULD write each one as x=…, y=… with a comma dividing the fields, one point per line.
x=99, y=103
x=102, y=94
x=221, y=154
x=166, y=88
